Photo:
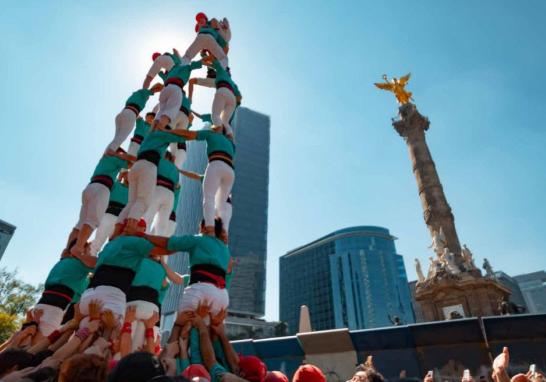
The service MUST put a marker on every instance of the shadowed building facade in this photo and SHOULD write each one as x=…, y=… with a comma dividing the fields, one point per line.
x=248, y=226
x=352, y=278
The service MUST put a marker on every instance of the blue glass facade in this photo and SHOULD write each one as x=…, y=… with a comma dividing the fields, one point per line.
x=351, y=278
x=248, y=227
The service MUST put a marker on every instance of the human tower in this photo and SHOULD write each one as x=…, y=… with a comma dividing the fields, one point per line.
x=131, y=202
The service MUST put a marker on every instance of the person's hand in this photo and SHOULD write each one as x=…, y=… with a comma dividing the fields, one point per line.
x=468, y=379
x=78, y=316
x=219, y=318
x=93, y=326
x=156, y=87
x=176, y=52
x=500, y=366
x=218, y=329
x=108, y=319
x=169, y=364
x=230, y=266
x=203, y=309
x=185, y=317
x=199, y=323
x=95, y=307
x=150, y=322
x=38, y=313
x=130, y=314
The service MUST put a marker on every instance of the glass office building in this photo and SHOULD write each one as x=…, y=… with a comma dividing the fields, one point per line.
x=6, y=232
x=248, y=227
x=533, y=288
x=352, y=278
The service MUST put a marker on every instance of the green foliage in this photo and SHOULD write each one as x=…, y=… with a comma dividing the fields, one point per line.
x=16, y=297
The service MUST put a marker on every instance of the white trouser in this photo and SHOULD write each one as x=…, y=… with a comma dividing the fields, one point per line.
x=142, y=179
x=144, y=310
x=219, y=178
x=133, y=148
x=223, y=107
x=205, y=41
x=170, y=100
x=166, y=230
x=94, y=203
x=224, y=212
x=179, y=154
x=200, y=292
x=125, y=121
x=103, y=232
x=112, y=298
x=162, y=205
x=51, y=319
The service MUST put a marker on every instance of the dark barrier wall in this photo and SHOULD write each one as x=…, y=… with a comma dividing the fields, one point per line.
x=447, y=347
x=393, y=350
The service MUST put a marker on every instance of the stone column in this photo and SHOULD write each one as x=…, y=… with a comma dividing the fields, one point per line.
x=437, y=212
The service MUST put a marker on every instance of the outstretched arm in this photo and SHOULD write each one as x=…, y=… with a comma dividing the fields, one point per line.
x=189, y=135
x=207, y=351
x=172, y=275
x=191, y=175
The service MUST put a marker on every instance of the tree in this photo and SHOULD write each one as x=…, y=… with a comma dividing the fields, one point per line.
x=16, y=297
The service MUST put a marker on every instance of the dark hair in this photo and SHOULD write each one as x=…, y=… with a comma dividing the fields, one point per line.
x=40, y=356
x=169, y=156
x=136, y=367
x=373, y=376
x=166, y=378
x=14, y=357
x=84, y=368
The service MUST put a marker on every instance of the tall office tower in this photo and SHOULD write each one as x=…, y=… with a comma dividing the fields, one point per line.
x=248, y=227
x=6, y=232
x=533, y=287
x=511, y=283
x=351, y=278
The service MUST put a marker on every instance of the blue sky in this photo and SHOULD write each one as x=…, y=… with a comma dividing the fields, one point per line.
x=477, y=73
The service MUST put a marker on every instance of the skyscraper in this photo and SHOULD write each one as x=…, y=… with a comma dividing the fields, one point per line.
x=248, y=227
x=533, y=287
x=515, y=291
x=351, y=278
x=6, y=232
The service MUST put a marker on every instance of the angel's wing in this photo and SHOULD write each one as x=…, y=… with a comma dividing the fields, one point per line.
x=384, y=86
x=404, y=80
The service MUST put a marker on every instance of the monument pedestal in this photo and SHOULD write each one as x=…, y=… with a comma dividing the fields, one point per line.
x=467, y=295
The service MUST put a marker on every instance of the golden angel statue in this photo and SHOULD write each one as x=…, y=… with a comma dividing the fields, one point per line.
x=397, y=86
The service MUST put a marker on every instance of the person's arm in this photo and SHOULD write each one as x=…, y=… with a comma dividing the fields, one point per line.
x=158, y=251
x=149, y=333
x=188, y=134
x=230, y=353
x=87, y=260
x=109, y=324
x=73, y=344
x=193, y=82
x=125, y=342
x=191, y=175
x=55, y=336
x=175, y=277
x=158, y=241
x=207, y=351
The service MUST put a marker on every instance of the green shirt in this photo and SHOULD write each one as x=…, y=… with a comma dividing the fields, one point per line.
x=110, y=166
x=163, y=292
x=175, y=201
x=69, y=272
x=206, y=118
x=119, y=193
x=186, y=103
x=142, y=127
x=214, y=33
x=216, y=142
x=125, y=252
x=158, y=141
x=139, y=98
x=150, y=274
x=183, y=72
x=203, y=249
x=168, y=170
x=222, y=75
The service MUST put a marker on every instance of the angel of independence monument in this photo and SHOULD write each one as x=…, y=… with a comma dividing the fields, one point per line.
x=453, y=286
